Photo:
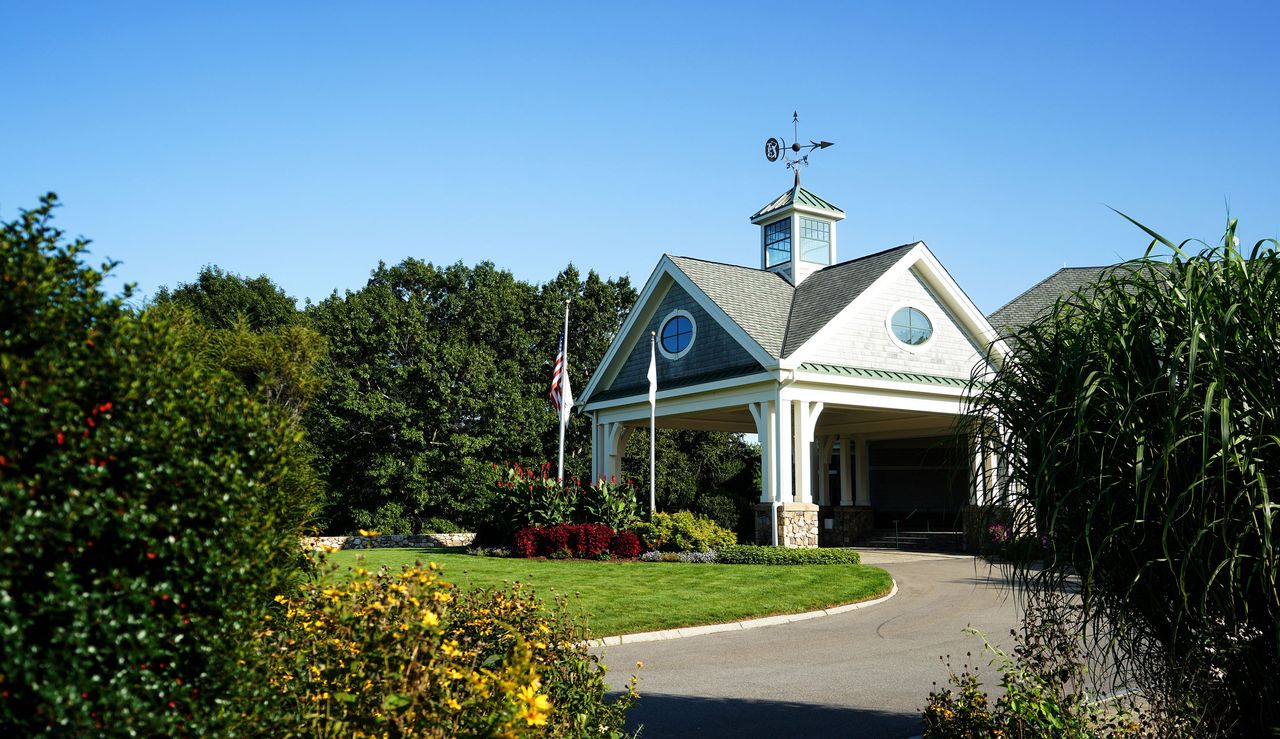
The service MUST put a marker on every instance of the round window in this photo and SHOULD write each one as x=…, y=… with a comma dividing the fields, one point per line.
x=911, y=326
x=676, y=335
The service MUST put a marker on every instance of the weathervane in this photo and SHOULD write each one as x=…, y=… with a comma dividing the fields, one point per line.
x=776, y=148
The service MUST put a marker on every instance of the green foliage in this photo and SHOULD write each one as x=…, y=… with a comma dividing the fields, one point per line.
x=532, y=496
x=712, y=473
x=684, y=531
x=405, y=654
x=612, y=503
x=149, y=508
x=1042, y=690
x=434, y=372
x=436, y=525
x=1139, y=426
x=745, y=554
x=222, y=300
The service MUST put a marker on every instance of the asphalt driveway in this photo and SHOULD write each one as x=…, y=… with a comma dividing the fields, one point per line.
x=864, y=673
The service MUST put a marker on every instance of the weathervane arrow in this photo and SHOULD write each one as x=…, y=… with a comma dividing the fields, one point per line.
x=774, y=148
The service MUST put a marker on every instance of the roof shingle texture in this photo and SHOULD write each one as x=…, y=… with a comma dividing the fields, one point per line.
x=1037, y=300
x=779, y=317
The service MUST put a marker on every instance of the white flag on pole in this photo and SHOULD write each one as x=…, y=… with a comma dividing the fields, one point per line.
x=653, y=376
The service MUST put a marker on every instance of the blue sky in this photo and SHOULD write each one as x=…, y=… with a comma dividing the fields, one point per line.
x=308, y=141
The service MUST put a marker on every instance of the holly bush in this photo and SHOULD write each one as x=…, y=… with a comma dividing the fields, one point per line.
x=149, y=509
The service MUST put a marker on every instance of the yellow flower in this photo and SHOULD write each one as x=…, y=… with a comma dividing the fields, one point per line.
x=280, y=599
x=536, y=707
x=453, y=704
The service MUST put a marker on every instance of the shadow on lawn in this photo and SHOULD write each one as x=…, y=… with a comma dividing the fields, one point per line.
x=683, y=716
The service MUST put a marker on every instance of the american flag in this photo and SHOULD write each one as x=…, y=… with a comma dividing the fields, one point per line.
x=561, y=394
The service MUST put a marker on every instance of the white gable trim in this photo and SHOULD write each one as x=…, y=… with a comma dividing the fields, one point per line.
x=713, y=309
x=945, y=289
x=646, y=305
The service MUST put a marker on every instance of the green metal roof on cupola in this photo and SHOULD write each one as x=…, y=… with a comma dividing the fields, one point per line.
x=796, y=196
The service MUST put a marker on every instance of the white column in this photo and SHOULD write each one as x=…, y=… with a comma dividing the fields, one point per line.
x=613, y=443
x=595, y=449
x=863, y=473
x=803, y=456
x=846, y=470
x=782, y=443
x=763, y=415
x=806, y=419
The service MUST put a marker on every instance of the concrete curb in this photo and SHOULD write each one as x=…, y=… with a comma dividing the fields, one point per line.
x=754, y=623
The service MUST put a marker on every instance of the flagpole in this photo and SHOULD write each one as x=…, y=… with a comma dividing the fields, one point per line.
x=653, y=415
x=564, y=417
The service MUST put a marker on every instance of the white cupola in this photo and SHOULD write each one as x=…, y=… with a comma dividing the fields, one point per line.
x=797, y=233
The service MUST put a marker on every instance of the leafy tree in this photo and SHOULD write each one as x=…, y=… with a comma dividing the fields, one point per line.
x=149, y=509
x=435, y=374
x=713, y=473
x=221, y=300
x=1139, y=428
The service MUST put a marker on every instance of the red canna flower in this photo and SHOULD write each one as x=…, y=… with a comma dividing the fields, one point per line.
x=60, y=439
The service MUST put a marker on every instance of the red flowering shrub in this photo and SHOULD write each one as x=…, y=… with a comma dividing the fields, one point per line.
x=625, y=545
x=527, y=542
x=553, y=539
x=586, y=540
x=589, y=540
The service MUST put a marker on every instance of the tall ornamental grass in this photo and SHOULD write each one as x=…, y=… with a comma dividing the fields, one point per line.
x=1138, y=431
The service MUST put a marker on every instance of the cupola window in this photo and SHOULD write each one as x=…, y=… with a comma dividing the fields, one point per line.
x=911, y=326
x=815, y=241
x=677, y=334
x=777, y=242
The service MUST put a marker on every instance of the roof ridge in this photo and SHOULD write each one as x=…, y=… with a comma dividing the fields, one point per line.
x=728, y=264
x=869, y=256
x=1048, y=277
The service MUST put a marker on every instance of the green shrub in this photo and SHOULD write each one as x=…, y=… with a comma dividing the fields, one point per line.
x=1042, y=691
x=684, y=531
x=404, y=654
x=753, y=555
x=149, y=509
x=725, y=510
x=437, y=525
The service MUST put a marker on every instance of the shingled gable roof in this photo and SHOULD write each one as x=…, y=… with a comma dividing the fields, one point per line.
x=822, y=295
x=1041, y=297
x=779, y=317
x=757, y=300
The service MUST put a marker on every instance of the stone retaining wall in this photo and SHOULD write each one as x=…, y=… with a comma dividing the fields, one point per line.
x=387, y=541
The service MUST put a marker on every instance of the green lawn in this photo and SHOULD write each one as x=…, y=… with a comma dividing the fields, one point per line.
x=627, y=597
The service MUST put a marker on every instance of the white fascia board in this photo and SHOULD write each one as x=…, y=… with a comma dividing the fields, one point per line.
x=852, y=397
x=771, y=378
x=810, y=211
x=636, y=408
x=806, y=380
x=623, y=339
x=823, y=335
x=713, y=309
x=946, y=288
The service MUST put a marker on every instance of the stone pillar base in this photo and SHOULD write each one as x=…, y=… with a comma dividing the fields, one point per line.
x=797, y=525
x=848, y=525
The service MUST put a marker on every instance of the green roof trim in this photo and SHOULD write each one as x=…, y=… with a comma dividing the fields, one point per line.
x=796, y=196
x=875, y=374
